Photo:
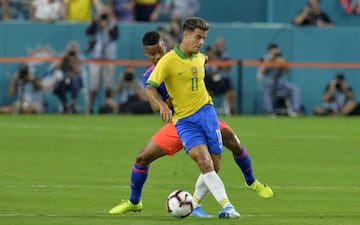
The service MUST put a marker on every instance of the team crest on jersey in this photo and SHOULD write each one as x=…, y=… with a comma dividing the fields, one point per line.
x=194, y=71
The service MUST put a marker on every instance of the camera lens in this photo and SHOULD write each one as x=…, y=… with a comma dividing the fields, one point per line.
x=128, y=76
x=104, y=16
x=338, y=86
x=72, y=53
x=22, y=74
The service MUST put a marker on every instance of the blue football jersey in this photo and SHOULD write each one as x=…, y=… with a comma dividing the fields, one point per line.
x=161, y=89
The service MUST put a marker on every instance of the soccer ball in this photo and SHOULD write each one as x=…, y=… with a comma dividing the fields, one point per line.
x=179, y=204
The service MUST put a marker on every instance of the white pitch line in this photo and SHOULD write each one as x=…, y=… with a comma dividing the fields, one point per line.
x=301, y=215
x=63, y=186
x=316, y=187
x=75, y=186
x=46, y=215
x=104, y=128
x=317, y=137
x=149, y=215
x=70, y=127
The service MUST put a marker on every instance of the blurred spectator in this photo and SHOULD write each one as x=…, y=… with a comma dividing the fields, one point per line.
x=81, y=10
x=46, y=10
x=68, y=79
x=5, y=12
x=172, y=35
x=182, y=9
x=132, y=95
x=14, y=9
x=28, y=89
x=338, y=99
x=147, y=10
x=217, y=83
x=104, y=32
x=273, y=80
x=312, y=14
x=221, y=54
x=123, y=9
x=220, y=49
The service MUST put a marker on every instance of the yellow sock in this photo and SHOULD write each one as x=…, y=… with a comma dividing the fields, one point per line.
x=225, y=203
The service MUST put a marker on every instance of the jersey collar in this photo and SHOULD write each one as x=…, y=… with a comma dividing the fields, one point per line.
x=181, y=54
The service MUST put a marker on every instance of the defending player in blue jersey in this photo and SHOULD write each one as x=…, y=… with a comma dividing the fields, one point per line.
x=167, y=142
x=195, y=118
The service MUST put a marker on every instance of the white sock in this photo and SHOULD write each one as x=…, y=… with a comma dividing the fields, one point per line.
x=217, y=188
x=201, y=190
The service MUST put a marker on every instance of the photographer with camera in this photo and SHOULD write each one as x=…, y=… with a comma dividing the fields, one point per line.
x=104, y=34
x=338, y=99
x=28, y=89
x=132, y=98
x=313, y=15
x=217, y=82
x=273, y=80
x=68, y=79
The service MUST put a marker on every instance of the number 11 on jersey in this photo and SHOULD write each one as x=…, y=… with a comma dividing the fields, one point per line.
x=194, y=84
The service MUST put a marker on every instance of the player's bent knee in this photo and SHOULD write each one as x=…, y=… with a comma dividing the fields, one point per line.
x=205, y=165
x=231, y=141
x=149, y=153
x=142, y=160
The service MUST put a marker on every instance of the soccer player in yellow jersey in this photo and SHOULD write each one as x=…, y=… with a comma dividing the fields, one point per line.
x=182, y=71
x=167, y=142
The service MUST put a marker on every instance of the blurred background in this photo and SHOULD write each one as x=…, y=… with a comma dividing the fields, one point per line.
x=29, y=30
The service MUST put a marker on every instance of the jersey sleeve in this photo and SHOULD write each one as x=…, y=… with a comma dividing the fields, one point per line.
x=147, y=74
x=159, y=74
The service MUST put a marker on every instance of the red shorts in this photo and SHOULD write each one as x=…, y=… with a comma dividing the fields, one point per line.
x=168, y=139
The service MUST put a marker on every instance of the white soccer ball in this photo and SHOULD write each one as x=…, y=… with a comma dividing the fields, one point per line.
x=180, y=204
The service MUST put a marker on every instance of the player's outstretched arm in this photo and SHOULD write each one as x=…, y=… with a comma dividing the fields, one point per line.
x=157, y=104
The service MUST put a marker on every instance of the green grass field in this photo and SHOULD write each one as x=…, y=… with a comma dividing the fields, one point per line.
x=59, y=169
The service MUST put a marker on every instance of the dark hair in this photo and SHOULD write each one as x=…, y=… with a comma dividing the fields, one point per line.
x=192, y=23
x=72, y=53
x=340, y=76
x=151, y=38
x=23, y=70
x=24, y=67
x=272, y=45
x=160, y=29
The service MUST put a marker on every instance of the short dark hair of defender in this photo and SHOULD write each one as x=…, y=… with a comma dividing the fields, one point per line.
x=272, y=46
x=151, y=38
x=340, y=76
x=192, y=23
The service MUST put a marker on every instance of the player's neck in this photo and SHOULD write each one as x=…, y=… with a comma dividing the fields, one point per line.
x=184, y=50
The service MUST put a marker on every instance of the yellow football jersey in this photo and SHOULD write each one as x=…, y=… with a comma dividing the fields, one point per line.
x=184, y=80
x=146, y=2
x=79, y=10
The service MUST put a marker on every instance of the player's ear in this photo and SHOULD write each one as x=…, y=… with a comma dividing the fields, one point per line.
x=145, y=52
x=186, y=33
x=162, y=44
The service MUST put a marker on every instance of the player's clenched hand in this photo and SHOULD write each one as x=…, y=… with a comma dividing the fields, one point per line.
x=169, y=102
x=166, y=114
